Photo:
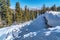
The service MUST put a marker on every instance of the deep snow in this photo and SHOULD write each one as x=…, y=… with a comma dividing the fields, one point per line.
x=53, y=18
x=6, y=33
x=34, y=30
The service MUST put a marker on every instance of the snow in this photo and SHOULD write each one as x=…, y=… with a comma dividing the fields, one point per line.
x=37, y=24
x=13, y=29
x=53, y=12
x=53, y=18
x=31, y=34
x=54, y=29
x=47, y=33
x=34, y=30
x=9, y=38
x=39, y=27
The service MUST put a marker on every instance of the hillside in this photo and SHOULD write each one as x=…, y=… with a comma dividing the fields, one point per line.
x=34, y=30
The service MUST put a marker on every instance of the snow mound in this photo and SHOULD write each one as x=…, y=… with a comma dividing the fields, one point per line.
x=53, y=18
x=37, y=24
x=53, y=12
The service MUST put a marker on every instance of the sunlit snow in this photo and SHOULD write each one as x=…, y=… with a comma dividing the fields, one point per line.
x=34, y=30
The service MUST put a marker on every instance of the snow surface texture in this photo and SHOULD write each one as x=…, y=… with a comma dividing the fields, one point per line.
x=7, y=33
x=35, y=30
x=53, y=18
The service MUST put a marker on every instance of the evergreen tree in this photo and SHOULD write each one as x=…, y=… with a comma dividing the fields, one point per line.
x=26, y=13
x=48, y=9
x=6, y=17
x=58, y=8
x=54, y=8
x=9, y=16
x=35, y=12
x=33, y=15
x=4, y=8
x=43, y=9
x=18, y=13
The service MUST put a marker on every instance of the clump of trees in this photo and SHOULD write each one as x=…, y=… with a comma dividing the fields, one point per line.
x=5, y=13
x=18, y=15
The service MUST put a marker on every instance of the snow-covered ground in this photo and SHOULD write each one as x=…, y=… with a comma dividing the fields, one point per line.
x=34, y=30
x=4, y=32
x=53, y=18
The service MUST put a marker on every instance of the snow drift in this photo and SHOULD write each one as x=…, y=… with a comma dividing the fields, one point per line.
x=35, y=30
x=53, y=18
x=7, y=33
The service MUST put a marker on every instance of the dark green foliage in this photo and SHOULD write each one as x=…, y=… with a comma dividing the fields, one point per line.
x=8, y=2
x=6, y=16
x=54, y=8
x=43, y=9
x=58, y=8
x=18, y=13
x=27, y=14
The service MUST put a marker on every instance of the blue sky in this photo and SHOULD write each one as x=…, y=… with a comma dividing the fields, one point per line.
x=34, y=3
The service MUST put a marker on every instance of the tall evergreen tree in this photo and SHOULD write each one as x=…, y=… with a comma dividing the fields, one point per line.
x=35, y=12
x=58, y=8
x=26, y=13
x=6, y=17
x=43, y=9
x=47, y=8
x=18, y=13
x=33, y=15
x=54, y=8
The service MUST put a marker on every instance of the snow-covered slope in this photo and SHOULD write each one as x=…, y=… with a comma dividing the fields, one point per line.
x=7, y=32
x=35, y=30
x=53, y=18
x=20, y=33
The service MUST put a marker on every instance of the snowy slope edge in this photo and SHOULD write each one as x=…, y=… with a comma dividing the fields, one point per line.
x=5, y=32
